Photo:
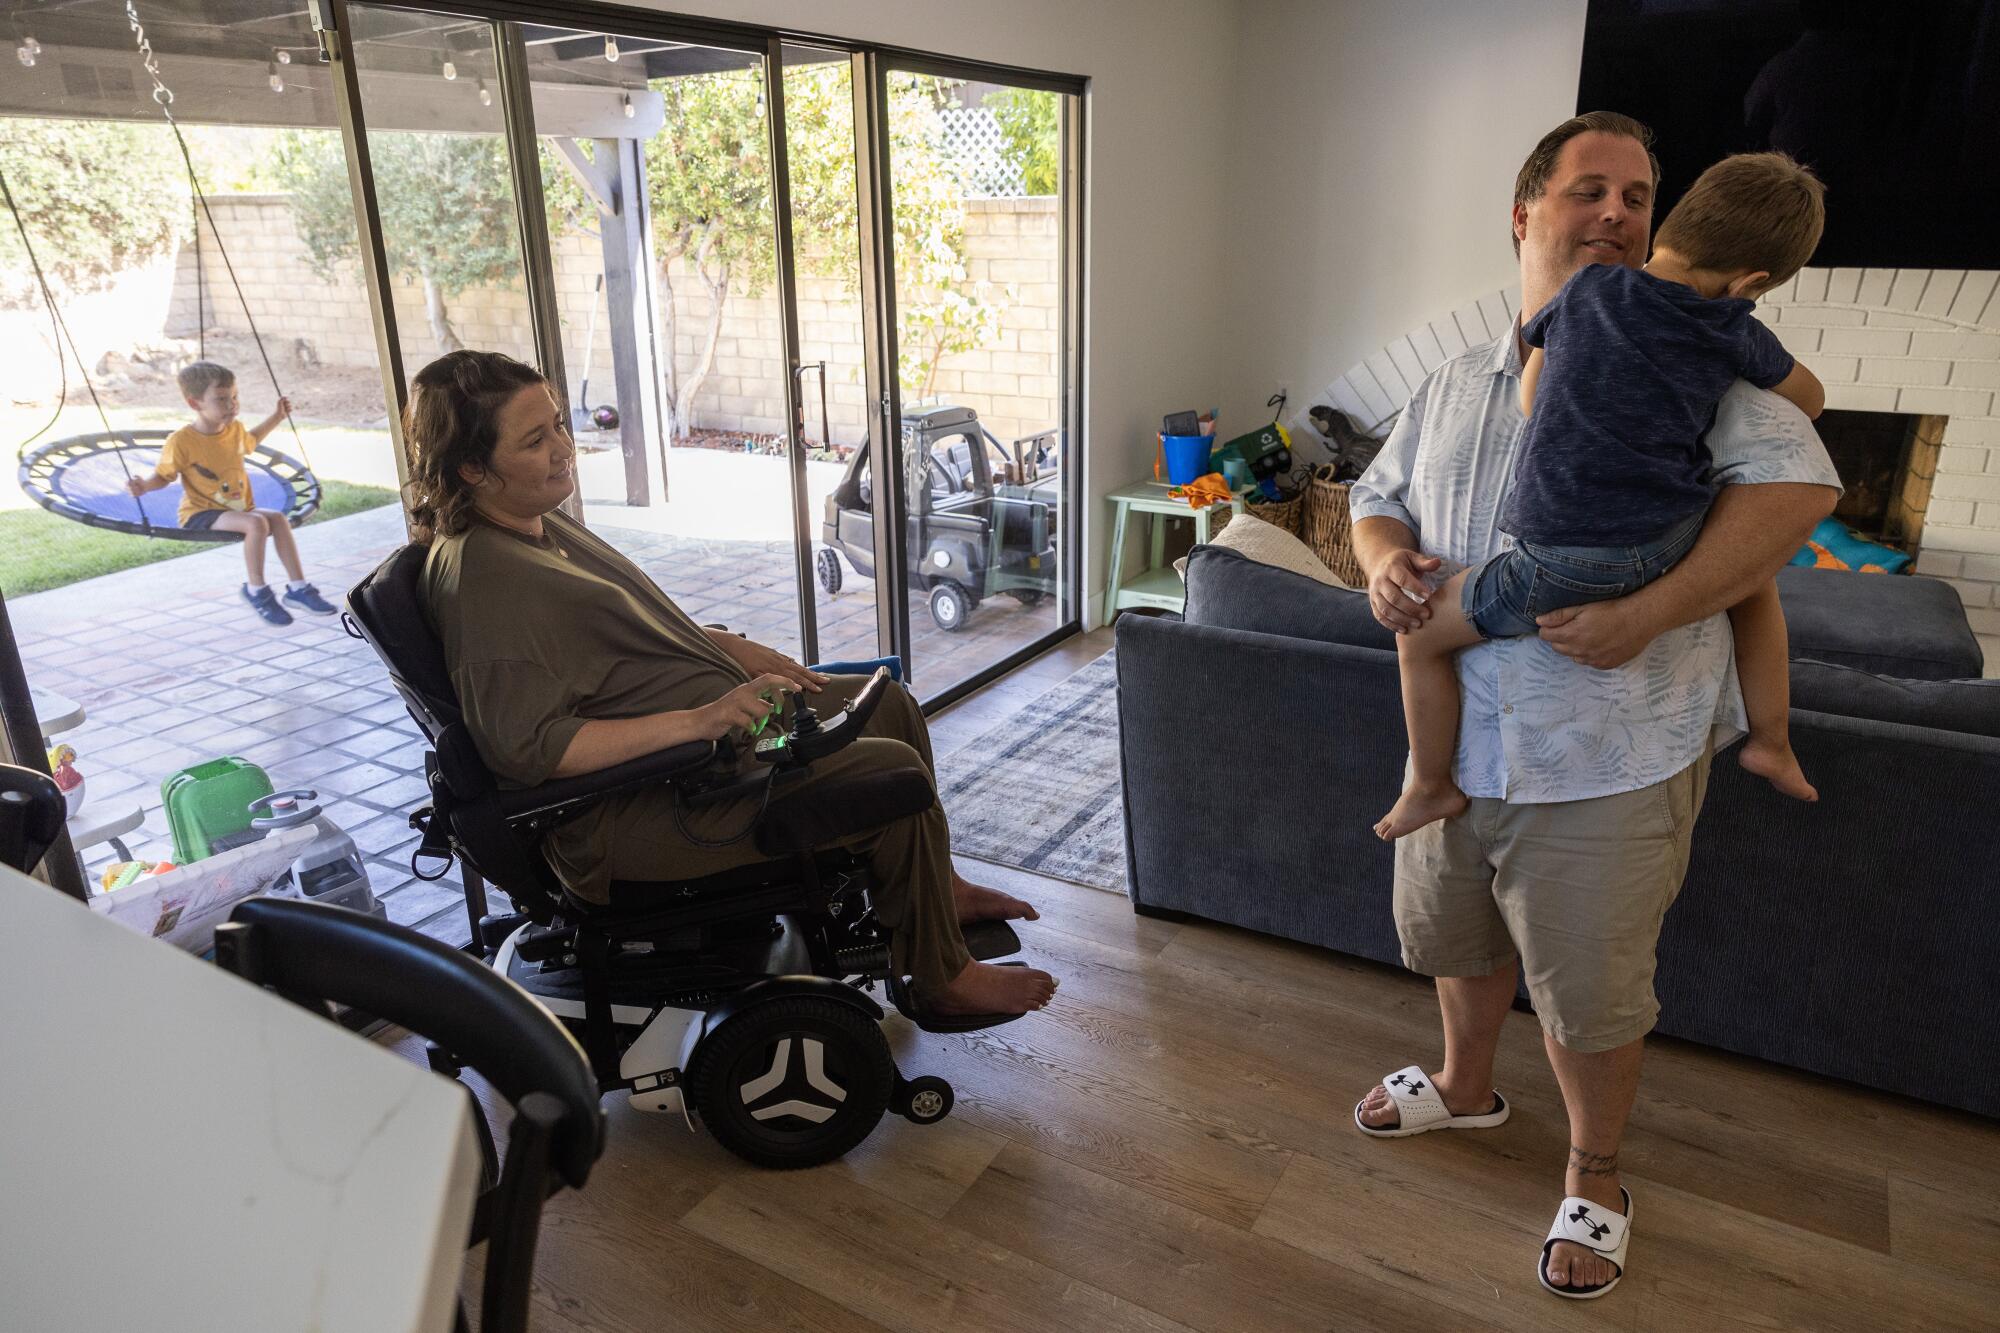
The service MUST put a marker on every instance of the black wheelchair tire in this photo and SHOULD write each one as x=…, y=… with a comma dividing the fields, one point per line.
x=855, y=1057
x=826, y=563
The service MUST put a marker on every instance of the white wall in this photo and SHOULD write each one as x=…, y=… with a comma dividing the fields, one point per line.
x=1163, y=79
x=1372, y=163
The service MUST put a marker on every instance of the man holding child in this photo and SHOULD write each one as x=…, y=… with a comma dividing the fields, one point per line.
x=1584, y=752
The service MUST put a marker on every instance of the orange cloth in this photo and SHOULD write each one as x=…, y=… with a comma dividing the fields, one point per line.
x=1203, y=491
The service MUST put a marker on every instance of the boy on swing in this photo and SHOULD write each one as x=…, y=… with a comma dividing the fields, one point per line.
x=1610, y=488
x=207, y=458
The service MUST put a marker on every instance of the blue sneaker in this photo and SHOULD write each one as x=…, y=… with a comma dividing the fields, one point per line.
x=307, y=598
x=265, y=604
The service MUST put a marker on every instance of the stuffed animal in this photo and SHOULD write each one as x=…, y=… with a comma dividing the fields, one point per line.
x=1352, y=450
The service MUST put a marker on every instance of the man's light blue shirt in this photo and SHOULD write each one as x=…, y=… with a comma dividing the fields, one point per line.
x=1536, y=726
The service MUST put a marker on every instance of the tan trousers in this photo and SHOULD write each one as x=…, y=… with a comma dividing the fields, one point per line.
x=1576, y=889
x=910, y=856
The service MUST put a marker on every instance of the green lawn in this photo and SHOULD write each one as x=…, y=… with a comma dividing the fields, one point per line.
x=39, y=551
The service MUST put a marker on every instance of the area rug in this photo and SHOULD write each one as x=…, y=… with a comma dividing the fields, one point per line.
x=1040, y=791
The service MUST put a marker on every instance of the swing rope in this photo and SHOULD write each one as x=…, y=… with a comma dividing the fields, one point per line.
x=164, y=97
x=63, y=336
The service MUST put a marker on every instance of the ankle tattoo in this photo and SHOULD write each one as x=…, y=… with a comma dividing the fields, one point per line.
x=1592, y=1163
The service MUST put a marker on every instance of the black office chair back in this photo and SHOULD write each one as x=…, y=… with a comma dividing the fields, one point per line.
x=386, y=610
x=31, y=815
x=313, y=954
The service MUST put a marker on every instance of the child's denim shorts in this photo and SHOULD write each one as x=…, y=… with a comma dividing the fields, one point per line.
x=1503, y=596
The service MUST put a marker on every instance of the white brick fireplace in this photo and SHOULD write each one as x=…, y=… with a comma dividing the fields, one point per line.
x=1924, y=342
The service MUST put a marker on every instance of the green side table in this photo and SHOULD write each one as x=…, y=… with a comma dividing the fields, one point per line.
x=1157, y=586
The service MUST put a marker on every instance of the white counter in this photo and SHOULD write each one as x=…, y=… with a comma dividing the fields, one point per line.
x=182, y=1151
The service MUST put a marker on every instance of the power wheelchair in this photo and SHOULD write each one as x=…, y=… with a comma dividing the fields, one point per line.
x=743, y=998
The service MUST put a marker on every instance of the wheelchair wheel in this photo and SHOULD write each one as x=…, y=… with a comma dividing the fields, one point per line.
x=793, y=1082
x=827, y=565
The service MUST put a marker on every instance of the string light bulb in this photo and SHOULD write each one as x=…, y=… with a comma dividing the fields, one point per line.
x=485, y=94
x=275, y=79
x=630, y=111
x=284, y=56
x=449, y=70
x=28, y=51
x=611, y=49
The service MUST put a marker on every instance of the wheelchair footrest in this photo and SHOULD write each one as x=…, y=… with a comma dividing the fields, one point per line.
x=990, y=939
x=926, y=1021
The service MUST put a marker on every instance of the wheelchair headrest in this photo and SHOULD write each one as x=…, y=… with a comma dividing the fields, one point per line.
x=312, y=952
x=387, y=608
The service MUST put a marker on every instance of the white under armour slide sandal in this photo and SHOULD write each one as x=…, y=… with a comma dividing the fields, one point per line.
x=1419, y=1109
x=1597, y=1229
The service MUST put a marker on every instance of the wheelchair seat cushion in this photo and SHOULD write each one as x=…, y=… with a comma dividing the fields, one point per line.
x=823, y=810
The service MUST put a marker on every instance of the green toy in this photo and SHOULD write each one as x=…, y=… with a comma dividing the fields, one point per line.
x=1265, y=451
x=208, y=807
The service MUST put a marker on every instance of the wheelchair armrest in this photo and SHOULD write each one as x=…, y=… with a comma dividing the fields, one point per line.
x=562, y=797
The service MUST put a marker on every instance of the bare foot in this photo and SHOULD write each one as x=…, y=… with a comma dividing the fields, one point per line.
x=1573, y=1265
x=979, y=903
x=983, y=988
x=1378, y=1108
x=1778, y=765
x=1418, y=806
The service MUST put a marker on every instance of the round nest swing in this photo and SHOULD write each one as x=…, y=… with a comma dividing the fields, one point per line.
x=82, y=478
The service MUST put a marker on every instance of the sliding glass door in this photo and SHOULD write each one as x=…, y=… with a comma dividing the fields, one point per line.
x=979, y=208
x=812, y=313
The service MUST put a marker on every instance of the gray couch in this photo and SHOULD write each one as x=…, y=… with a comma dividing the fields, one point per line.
x=1859, y=937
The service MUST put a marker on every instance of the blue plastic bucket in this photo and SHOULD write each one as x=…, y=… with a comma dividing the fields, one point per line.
x=1187, y=457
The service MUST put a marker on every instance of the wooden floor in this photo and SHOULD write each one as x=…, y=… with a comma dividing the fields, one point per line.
x=1170, y=1146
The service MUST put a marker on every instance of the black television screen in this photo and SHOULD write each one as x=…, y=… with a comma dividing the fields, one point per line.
x=1895, y=103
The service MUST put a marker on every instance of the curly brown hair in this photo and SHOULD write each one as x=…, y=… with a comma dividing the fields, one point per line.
x=452, y=419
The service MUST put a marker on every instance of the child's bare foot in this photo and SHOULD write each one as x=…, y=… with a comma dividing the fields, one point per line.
x=1418, y=806
x=976, y=902
x=983, y=988
x=1779, y=766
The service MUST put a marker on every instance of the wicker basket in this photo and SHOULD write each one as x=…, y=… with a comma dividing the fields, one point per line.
x=1328, y=530
x=1287, y=514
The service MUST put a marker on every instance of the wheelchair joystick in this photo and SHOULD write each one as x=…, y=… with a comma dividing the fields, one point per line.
x=810, y=738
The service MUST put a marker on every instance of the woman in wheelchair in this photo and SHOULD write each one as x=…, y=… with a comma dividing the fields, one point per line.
x=567, y=659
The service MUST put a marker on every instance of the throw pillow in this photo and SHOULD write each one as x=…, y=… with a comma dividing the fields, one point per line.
x=1268, y=544
x=1970, y=706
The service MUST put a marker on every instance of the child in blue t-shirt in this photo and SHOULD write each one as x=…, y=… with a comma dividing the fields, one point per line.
x=1611, y=488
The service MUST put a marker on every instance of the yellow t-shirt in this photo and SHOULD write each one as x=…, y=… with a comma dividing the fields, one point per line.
x=210, y=468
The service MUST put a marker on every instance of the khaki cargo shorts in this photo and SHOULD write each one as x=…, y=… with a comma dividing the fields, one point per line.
x=1575, y=889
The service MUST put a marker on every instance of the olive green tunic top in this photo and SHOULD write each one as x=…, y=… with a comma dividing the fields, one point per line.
x=543, y=636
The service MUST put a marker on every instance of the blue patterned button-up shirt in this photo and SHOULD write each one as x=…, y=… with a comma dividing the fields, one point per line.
x=1536, y=726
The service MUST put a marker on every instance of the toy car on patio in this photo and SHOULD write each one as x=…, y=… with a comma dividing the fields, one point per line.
x=983, y=516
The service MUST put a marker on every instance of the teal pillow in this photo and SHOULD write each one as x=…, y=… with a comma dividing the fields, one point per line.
x=1834, y=545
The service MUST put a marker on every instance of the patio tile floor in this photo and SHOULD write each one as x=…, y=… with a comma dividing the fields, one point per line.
x=172, y=669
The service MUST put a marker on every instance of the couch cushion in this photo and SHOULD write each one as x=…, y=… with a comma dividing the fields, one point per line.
x=1228, y=590
x=1970, y=706
x=1898, y=625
